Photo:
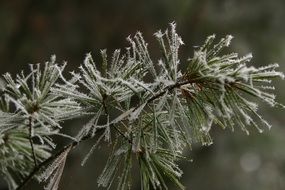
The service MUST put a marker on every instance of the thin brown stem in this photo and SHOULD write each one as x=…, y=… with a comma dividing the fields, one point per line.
x=31, y=140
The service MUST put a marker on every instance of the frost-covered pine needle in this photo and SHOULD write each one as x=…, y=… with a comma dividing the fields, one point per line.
x=147, y=111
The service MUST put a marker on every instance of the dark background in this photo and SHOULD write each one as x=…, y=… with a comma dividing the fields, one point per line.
x=32, y=30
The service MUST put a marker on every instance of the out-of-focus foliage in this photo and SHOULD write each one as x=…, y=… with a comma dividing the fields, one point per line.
x=33, y=30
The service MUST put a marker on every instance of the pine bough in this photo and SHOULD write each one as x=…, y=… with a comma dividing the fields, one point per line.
x=157, y=110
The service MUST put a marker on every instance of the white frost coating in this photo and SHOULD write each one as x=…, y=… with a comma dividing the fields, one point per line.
x=282, y=76
x=164, y=81
x=60, y=70
x=267, y=87
x=107, y=132
x=227, y=110
x=50, y=142
x=92, y=150
x=228, y=40
x=53, y=59
x=208, y=42
x=122, y=116
x=201, y=56
x=245, y=58
x=18, y=104
x=142, y=84
x=135, y=114
x=208, y=125
x=264, y=121
x=2, y=84
x=91, y=125
x=271, y=66
x=87, y=59
x=180, y=41
x=54, y=171
x=161, y=102
x=158, y=34
x=129, y=85
x=247, y=118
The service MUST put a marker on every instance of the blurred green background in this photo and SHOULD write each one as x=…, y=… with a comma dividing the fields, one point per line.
x=32, y=30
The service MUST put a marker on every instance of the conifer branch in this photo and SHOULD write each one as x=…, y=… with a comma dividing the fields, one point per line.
x=89, y=136
x=42, y=165
x=154, y=119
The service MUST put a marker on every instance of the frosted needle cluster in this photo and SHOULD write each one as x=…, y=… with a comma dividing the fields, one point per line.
x=147, y=111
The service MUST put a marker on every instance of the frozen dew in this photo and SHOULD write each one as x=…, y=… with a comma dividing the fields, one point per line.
x=2, y=84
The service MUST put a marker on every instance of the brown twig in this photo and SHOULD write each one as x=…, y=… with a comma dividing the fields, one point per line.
x=31, y=140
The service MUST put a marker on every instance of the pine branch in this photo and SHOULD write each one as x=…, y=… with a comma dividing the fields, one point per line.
x=43, y=164
x=171, y=110
x=89, y=136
